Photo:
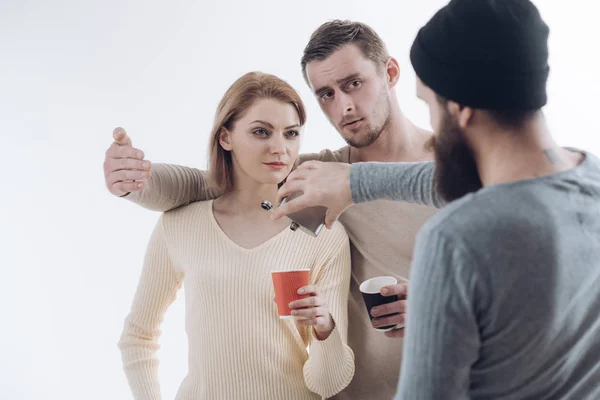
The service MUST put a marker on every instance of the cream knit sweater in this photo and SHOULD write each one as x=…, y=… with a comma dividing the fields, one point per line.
x=238, y=347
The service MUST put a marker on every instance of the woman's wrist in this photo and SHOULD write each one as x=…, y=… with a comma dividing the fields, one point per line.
x=324, y=332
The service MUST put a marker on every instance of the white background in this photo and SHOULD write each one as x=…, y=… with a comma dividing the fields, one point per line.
x=70, y=71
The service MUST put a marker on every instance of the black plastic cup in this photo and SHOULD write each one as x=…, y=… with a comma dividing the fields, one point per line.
x=370, y=290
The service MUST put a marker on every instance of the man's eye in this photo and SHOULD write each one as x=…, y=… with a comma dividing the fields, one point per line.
x=326, y=96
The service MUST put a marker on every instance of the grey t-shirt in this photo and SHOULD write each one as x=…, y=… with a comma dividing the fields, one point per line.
x=505, y=286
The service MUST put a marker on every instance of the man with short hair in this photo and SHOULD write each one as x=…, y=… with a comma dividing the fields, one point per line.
x=347, y=66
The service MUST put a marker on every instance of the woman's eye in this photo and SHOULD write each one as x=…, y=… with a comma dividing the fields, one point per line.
x=293, y=133
x=260, y=132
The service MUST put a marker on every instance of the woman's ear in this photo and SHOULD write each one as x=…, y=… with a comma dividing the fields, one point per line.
x=225, y=139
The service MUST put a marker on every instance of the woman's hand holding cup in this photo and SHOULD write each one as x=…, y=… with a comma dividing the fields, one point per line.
x=312, y=311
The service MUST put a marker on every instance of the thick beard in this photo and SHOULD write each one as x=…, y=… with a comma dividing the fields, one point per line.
x=373, y=133
x=456, y=171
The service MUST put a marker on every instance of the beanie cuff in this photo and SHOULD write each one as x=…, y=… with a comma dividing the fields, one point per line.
x=476, y=88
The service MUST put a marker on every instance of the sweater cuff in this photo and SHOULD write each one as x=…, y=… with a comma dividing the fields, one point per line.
x=331, y=365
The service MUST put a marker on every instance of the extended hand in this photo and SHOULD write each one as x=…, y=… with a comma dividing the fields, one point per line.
x=124, y=167
x=324, y=184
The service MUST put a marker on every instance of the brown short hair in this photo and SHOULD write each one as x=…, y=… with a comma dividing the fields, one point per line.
x=332, y=35
x=237, y=99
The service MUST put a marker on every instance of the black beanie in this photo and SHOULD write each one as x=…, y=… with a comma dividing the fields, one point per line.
x=487, y=54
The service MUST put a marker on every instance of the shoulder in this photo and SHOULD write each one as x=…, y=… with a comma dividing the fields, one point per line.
x=494, y=214
x=590, y=166
x=333, y=240
x=192, y=213
x=337, y=233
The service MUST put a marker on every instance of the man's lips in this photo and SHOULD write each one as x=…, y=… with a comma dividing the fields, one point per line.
x=352, y=123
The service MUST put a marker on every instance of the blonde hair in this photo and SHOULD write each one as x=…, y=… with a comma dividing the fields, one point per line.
x=239, y=97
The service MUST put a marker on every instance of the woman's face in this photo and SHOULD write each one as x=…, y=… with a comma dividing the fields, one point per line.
x=264, y=143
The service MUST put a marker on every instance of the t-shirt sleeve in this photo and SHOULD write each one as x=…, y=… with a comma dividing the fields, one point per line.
x=412, y=182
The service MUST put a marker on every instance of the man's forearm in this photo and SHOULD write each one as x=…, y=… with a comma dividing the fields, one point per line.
x=403, y=181
x=171, y=186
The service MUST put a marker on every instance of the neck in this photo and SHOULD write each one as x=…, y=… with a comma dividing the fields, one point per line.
x=247, y=195
x=401, y=141
x=509, y=156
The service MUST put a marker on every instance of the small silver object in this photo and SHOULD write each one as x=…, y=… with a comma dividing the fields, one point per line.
x=266, y=205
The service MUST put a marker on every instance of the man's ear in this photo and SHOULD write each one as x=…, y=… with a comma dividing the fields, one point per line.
x=225, y=139
x=461, y=113
x=392, y=70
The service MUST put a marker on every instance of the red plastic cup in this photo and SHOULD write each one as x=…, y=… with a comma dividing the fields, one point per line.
x=286, y=285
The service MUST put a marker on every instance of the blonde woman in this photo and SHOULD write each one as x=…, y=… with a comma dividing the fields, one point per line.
x=223, y=251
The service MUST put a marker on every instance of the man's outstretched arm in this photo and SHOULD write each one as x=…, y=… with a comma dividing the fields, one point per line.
x=171, y=186
x=339, y=185
x=402, y=181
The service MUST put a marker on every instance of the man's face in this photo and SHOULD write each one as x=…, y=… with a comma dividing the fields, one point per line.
x=353, y=94
x=456, y=169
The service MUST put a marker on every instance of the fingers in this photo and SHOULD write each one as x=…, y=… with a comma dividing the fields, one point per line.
x=306, y=165
x=122, y=188
x=130, y=164
x=321, y=320
x=311, y=290
x=121, y=137
x=289, y=187
x=294, y=183
x=120, y=181
x=395, y=319
x=310, y=313
x=400, y=289
x=330, y=217
x=395, y=333
x=389, y=308
x=309, y=307
x=312, y=301
x=297, y=175
x=129, y=152
x=127, y=175
x=112, y=165
x=117, y=151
